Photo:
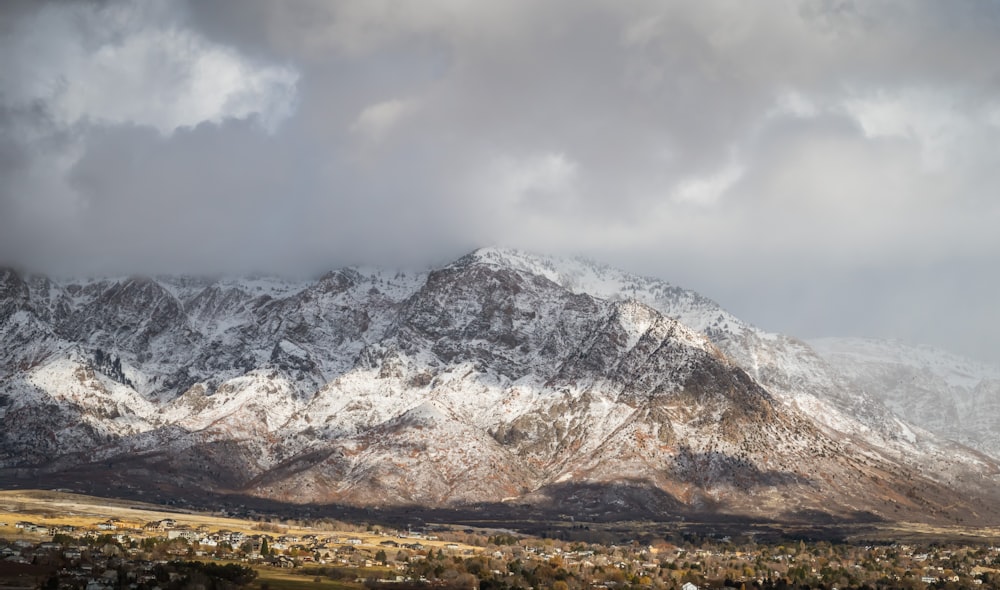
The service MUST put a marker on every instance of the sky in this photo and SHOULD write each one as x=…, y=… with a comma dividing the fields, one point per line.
x=818, y=167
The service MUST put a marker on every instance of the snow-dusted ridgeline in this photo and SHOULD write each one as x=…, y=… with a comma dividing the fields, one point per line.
x=501, y=375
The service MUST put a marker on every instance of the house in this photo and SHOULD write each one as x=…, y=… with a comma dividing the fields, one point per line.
x=689, y=586
x=32, y=527
x=282, y=561
x=183, y=533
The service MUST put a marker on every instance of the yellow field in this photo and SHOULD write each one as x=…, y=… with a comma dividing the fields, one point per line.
x=57, y=508
x=917, y=531
x=60, y=508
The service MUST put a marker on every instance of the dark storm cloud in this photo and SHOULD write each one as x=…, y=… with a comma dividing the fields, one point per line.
x=813, y=165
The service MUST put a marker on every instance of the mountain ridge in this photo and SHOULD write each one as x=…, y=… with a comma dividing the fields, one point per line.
x=502, y=375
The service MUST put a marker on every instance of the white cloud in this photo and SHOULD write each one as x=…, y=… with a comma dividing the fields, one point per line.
x=779, y=143
x=131, y=64
x=707, y=190
x=929, y=118
x=543, y=181
x=378, y=119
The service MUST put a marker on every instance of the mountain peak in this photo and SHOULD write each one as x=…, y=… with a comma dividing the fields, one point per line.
x=504, y=374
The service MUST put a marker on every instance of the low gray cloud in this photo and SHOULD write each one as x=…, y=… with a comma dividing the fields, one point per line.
x=819, y=167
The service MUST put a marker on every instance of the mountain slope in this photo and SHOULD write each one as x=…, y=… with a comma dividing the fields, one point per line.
x=787, y=367
x=954, y=397
x=500, y=376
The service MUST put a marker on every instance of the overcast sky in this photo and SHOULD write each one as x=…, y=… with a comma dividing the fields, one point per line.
x=820, y=167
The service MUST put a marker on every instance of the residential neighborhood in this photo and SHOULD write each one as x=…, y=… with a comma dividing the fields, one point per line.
x=111, y=553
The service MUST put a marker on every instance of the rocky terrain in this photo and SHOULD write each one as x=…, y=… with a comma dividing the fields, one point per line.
x=952, y=396
x=501, y=379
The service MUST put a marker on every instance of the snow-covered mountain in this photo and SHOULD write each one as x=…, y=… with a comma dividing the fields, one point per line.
x=503, y=376
x=789, y=368
x=952, y=396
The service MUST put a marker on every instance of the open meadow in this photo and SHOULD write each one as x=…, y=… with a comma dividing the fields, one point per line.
x=53, y=508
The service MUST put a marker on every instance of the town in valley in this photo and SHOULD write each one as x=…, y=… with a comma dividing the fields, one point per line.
x=58, y=547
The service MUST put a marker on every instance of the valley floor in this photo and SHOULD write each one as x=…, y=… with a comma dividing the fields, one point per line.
x=60, y=540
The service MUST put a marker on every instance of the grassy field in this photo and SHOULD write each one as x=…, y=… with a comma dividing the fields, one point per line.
x=920, y=532
x=280, y=579
x=59, y=508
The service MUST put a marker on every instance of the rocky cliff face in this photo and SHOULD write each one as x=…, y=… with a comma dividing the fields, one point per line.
x=500, y=377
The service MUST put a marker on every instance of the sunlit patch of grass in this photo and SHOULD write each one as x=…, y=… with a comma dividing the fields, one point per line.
x=279, y=579
x=60, y=508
